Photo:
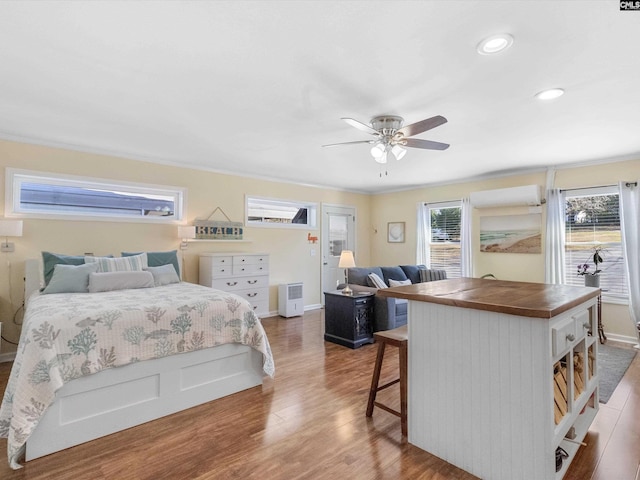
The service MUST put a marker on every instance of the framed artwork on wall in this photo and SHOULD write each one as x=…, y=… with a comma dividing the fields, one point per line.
x=395, y=232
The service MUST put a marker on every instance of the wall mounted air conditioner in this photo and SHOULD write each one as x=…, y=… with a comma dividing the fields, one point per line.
x=527, y=195
x=290, y=300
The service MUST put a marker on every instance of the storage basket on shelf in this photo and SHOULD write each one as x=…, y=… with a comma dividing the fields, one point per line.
x=218, y=230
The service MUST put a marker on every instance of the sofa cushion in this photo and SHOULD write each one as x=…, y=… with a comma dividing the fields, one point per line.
x=412, y=272
x=402, y=306
x=392, y=273
x=358, y=275
x=399, y=283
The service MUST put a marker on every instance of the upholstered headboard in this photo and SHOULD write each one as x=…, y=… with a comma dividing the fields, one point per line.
x=32, y=276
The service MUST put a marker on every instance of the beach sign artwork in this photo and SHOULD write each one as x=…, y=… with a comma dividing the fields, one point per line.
x=511, y=233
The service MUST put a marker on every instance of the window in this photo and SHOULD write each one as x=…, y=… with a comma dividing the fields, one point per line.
x=443, y=234
x=46, y=195
x=270, y=212
x=593, y=219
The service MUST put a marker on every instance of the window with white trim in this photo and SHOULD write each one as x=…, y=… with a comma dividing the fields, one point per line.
x=48, y=195
x=443, y=235
x=272, y=212
x=593, y=220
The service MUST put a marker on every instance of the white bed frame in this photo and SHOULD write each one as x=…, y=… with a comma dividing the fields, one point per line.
x=119, y=398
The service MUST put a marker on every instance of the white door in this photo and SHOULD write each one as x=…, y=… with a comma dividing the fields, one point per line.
x=338, y=233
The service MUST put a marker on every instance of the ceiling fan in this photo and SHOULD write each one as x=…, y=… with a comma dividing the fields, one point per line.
x=391, y=136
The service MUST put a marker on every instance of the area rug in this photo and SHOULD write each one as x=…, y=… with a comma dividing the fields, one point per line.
x=613, y=362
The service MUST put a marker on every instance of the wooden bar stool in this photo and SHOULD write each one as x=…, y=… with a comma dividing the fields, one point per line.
x=396, y=338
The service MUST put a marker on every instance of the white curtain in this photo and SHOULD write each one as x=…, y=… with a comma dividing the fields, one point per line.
x=422, y=244
x=466, y=267
x=630, y=226
x=554, y=271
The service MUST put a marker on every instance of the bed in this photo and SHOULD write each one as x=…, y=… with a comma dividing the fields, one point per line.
x=91, y=364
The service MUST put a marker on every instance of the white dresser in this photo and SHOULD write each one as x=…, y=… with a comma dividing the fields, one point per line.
x=245, y=274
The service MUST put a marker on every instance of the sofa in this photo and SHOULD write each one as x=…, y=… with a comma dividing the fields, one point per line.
x=390, y=312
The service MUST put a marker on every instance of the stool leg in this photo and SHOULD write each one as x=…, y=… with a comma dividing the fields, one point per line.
x=403, y=388
x=375, y=379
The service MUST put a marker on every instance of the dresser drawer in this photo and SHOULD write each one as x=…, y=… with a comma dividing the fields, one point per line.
x=254, y=294
x=563, y=336
x=219, y=261
x=261, y=307
x=240, y=283
x=221, y=271
x=250, y=260
x=249, y=269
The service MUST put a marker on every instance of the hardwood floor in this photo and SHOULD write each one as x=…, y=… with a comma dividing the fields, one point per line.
x=309, y=423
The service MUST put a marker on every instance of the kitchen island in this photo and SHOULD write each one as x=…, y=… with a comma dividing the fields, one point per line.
x=501, y=373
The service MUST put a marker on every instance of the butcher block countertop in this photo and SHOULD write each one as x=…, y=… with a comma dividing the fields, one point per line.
x=516, y=298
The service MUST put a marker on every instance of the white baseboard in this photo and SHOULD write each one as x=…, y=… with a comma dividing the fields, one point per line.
x=316, y=306
x=621, y=338
x=7, y=357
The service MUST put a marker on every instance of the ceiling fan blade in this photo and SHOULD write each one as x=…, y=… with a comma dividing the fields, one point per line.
x=361, y=126
x=428, y=144
x=348, y=143
x=422, y=126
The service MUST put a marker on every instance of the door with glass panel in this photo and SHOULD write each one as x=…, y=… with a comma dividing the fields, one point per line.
x=338, y=233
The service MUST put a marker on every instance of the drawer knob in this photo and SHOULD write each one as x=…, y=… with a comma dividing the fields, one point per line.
x=571, y=337
x=251, y=295
x=251, y=282
x=232, y=284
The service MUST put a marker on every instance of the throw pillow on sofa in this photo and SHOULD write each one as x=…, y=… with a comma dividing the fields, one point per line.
x=399, y=283
x=376, y=281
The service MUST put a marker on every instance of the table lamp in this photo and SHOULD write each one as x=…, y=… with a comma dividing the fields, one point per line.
x=346, y=262
x=10, y=228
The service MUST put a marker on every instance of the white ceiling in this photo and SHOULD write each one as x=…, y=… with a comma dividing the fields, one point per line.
x=255, y=88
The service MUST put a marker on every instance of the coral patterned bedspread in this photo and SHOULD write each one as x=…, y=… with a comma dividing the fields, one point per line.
x=69, y=335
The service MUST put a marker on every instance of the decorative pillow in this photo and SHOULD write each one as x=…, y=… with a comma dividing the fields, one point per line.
x=121, y=264
x=108, y=281
x=377, y=281
x=399, y=283
x=427, y=275
x=164, y=275
x=70, y=278
x=50, y=260
x=157, y=259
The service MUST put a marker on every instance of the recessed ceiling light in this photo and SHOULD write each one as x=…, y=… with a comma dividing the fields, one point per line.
x=495, y=44
x=550, y=94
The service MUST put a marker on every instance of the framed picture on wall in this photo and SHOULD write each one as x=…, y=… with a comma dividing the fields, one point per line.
x=395, y=232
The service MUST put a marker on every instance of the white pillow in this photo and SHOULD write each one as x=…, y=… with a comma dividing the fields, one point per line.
x=377, y=281
x=70, y=278
x=108, y=281
x=119, y=264
x=399, y=283
x=164, y=274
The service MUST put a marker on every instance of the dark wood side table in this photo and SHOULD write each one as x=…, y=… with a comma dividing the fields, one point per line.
x=348, y=319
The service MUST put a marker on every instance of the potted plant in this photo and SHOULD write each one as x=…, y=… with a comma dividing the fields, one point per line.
x=592, y=278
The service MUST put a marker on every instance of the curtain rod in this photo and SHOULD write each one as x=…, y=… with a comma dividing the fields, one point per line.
x=627, y=184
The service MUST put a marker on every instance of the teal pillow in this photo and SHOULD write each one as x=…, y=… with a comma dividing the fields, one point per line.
x=164, y=275
x=157, y=259
x=70, y=278
x=50, y=260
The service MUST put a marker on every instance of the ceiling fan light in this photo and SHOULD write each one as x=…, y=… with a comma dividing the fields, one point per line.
x=398, y=151
x=377, y=151
x=382, y=158
x=495, y=44
x=550, y=94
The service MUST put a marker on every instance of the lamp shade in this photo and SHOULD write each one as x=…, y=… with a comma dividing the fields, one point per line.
x=187, y=231
x=10, y=228
x=346, y=259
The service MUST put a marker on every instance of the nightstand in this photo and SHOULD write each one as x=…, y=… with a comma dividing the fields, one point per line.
x=348, y=319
